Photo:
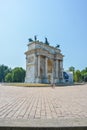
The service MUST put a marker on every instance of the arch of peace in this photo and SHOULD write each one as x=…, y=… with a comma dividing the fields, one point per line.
x=44, y=63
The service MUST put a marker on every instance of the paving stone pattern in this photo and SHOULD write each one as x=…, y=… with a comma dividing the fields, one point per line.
x=43, y=103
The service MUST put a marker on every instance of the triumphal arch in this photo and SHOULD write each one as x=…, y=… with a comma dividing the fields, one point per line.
x=44, y=63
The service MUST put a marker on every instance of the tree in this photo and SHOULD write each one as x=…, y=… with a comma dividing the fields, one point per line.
x=8, y=77
x=78, y=76
x=72, y=69
x=84, y=74
x=18, y=74
x=85, y=69
x=3, y=71
x=85, y=77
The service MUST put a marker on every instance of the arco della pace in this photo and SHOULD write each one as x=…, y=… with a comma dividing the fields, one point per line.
x=44, y=63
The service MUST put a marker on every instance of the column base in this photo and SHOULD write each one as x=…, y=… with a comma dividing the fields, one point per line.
x=56, y=80
x=45, y=80
x=38, y=80
x=61, y=80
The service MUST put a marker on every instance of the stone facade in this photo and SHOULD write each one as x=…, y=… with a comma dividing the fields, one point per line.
x=44, y=63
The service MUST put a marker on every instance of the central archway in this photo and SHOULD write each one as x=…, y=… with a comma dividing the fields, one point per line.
x=50, y=70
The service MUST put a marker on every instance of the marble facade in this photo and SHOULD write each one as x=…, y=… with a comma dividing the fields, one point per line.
x=44, y=63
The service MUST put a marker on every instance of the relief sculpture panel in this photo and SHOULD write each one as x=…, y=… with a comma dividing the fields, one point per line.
x=31, y=59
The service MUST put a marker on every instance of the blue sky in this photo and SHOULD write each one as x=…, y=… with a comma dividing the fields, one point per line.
x=63, y=22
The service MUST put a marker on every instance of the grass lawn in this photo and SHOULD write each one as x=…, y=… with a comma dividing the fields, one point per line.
x=27, y=84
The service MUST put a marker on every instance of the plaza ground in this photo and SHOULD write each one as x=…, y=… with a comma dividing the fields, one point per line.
x=43, y=106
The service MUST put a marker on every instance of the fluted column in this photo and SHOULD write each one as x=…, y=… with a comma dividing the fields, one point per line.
x=38, y=65
x=56, y=68
x=46, y=66
x=61, y=69
x=53, y=72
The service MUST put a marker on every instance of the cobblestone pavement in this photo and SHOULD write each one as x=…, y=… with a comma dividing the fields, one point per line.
x=43, y=103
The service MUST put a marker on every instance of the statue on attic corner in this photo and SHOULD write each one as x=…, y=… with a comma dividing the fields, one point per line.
x=35, y=38
x=46, y=41
x=30, y=40
x=57, y=46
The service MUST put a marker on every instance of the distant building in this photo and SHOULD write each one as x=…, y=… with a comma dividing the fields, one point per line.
x=68, y=77
x=44, y=63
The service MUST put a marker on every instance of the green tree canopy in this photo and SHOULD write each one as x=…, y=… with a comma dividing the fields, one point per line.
x=78, y=76
x=18, y=74
x=8, y=77
x=72, y=69
x=3, y=71
x=84, y=74
x=85, y=77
